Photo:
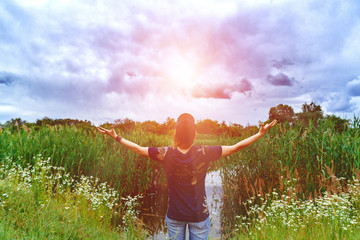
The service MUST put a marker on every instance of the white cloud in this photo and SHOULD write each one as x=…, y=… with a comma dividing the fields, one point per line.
x=79, y=55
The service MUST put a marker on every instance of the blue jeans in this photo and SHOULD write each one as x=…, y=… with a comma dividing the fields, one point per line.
x=197, y=230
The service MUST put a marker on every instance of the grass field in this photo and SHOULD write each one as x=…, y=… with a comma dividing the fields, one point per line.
x=44, y=202
x=297, y=182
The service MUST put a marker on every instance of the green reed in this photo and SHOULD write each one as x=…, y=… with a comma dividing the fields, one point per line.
x=41, y=201
x=87, y=152
x=313, y=155
x=331, y=216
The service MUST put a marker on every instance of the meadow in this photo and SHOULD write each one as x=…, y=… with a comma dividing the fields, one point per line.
x=297, y=182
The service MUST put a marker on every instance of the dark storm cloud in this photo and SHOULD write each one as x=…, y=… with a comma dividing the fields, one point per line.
x=7, y=78
x=283, y=63
x=280, y=79
x=340, y=103
x=353, y=87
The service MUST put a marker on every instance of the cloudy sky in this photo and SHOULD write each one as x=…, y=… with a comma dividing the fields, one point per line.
x=148, y=60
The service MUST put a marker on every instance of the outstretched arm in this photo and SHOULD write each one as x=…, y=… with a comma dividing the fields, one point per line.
x=133, y=146
x=227, y=150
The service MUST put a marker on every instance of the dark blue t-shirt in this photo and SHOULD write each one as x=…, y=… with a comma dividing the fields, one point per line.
x=185, y=175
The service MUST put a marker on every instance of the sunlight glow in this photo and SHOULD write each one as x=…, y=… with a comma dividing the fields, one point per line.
x=27, y=3
x=181, y=70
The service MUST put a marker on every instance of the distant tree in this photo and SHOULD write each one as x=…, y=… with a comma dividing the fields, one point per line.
x=311, y=108
x=169, y=125
x=250, y=130
x=223, y=128
x=235, y=129
x=207, y=126
x=125, y=125
x=151, y=126
x=340, y=124
x=14, y=124
x=282, y=113
x=310, y=112
x=44, y=121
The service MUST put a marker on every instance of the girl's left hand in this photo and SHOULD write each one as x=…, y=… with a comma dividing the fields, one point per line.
x=265, y=128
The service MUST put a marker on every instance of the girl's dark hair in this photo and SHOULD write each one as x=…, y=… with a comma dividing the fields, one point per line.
x=184, y=135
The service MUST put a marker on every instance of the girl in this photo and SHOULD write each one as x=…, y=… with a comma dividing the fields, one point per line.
x=185, y=166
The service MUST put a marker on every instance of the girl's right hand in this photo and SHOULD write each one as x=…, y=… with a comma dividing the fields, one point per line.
x=110, y=132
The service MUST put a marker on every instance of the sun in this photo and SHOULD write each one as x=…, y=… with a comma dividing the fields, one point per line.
x=181, y=70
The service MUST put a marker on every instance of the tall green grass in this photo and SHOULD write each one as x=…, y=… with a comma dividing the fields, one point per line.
x=45, y=202
x=89, y=153
x=312, y=155
x=331, y=216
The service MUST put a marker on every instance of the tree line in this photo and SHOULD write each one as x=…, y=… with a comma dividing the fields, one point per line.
x=309, y=114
